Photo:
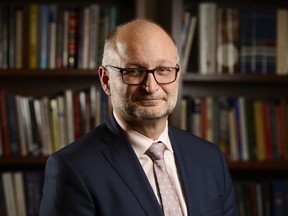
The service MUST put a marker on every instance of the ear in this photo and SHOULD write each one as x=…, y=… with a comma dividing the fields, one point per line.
x=104, y=79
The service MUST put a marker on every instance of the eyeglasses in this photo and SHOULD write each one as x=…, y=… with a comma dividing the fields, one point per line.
x=135, y=76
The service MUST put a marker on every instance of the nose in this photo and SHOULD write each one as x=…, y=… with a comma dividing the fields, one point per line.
x=150, y=84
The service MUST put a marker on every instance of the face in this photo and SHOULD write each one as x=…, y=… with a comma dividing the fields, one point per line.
x=148, y=100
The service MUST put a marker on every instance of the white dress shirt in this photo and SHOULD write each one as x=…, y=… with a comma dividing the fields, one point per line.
x=140, y=144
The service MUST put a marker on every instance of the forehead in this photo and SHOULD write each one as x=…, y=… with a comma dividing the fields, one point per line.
x=148, y=42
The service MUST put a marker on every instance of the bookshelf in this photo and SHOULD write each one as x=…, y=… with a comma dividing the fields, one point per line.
x=253, y=174
x=49, y=82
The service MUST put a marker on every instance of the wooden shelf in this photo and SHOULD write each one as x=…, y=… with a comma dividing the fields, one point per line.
x=235, y=78
x=39, y=160
x=67, y=73
x=233, y=165
x=258, y=165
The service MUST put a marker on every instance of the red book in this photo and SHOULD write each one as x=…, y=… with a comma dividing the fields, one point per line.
x=4, y=124
x=76, y=105
x=73, y=25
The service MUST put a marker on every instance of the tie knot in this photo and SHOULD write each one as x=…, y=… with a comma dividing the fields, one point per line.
x=156, y=151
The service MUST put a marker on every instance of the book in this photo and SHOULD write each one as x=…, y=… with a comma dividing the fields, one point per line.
x=223, y=123
x=19, y=30
x=68, y=100
x=94, y=35
x=61, y=120
x=73, y=37
x=33, y=35
x=9, y=193
x=4, y=124
x=259, y=129
x=189, y=42
x=35, y=146
x=47, y=147
x=228, y=50
x=209, y=101
x=250, y=127
x=43, y=34
x=21, y=130
x=52, y=29
x=3, y=210
x=232, y=135
x=243, y=128
x=53, y=113
x=282, y=43
x=207, y=37
x=26, y=117
x=20, y=199
x=84, y=38
x=258, y=41
x=3, y=37
x=12, y=125
x=11, y=36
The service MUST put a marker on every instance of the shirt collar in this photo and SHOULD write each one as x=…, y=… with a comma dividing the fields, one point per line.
x=141, y=143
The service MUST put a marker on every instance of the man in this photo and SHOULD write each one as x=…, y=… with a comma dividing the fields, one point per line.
x=110, y=171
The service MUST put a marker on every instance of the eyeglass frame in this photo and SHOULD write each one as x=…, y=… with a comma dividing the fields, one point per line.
x=147, y=71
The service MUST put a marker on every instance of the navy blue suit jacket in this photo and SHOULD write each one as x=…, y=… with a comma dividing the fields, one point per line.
x=100, y=175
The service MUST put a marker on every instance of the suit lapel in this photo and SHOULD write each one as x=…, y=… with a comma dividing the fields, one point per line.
x=186, y=169
x=120, y=155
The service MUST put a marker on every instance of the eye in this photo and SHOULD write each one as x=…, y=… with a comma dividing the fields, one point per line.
x=164, y=69
x=133, y=71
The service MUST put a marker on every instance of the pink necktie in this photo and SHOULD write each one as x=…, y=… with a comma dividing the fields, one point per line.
x=169, y=199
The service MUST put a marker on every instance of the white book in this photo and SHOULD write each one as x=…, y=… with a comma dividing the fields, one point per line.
x=188, y=45
x=9, y=193
x=19, y=194
x=21, y=130
x=39, y=120
x=62, y=121
x=68, y=99
x=27, y=124
x=207, y=37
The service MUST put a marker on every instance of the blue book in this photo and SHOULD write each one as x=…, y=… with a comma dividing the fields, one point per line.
x=43, y=36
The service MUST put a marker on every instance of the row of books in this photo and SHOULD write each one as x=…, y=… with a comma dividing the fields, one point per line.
x=243, y=128
x=266, y=197
x=49, y=36
x=230, y=40
x=40, y=126
x=20, y=193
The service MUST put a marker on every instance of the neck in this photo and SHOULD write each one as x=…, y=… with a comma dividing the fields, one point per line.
x=151, y=128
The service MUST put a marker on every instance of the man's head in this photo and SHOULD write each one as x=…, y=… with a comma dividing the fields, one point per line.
x=140, y=44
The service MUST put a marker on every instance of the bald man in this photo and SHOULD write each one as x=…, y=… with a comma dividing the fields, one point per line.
x=108, y=172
